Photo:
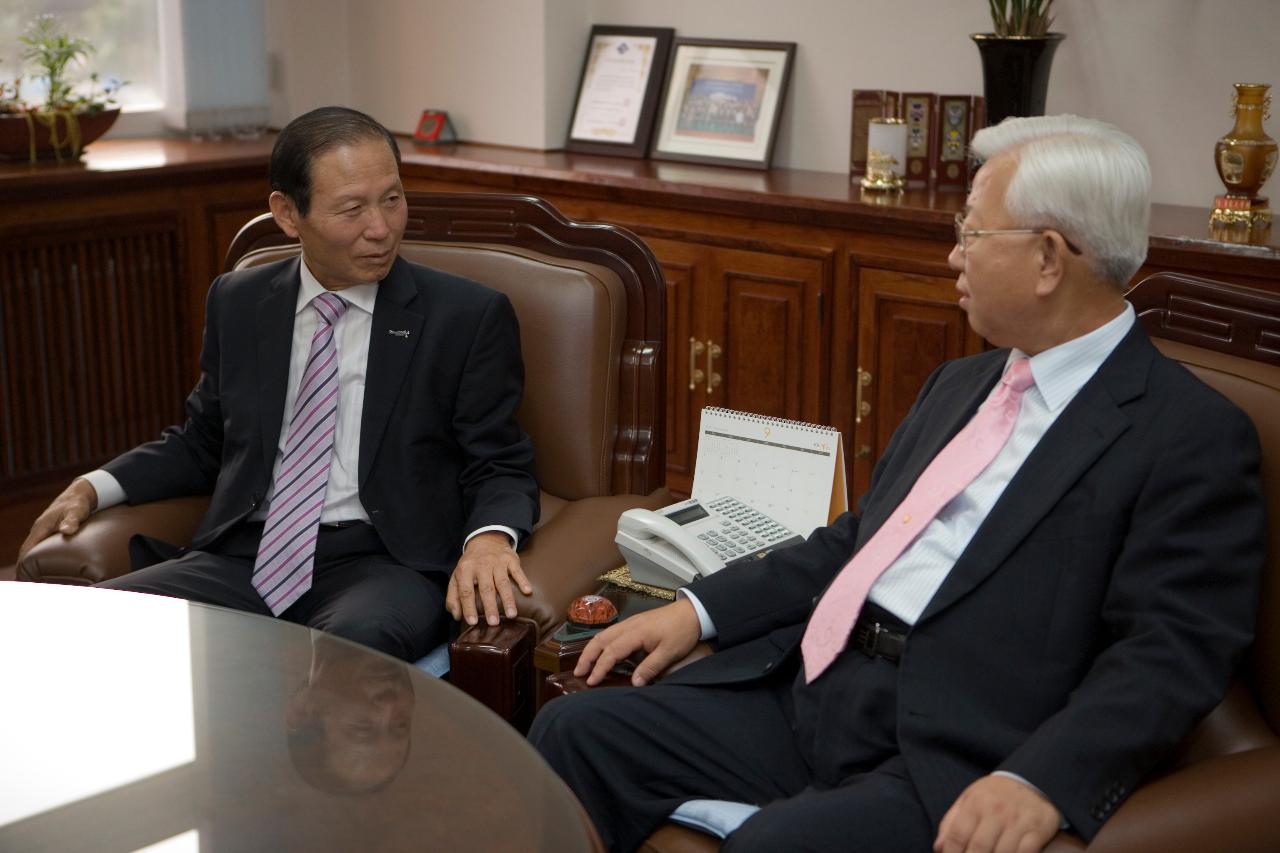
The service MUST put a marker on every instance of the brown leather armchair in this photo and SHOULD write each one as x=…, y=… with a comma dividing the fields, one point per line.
x=1222, y=790
x=591, y=301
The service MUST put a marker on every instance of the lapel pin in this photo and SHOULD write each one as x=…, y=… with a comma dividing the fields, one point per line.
x=399, y=333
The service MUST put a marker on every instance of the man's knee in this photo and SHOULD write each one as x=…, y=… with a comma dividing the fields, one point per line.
x=563, y=725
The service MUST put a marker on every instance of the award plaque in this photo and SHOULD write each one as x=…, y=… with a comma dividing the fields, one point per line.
x=618, y=91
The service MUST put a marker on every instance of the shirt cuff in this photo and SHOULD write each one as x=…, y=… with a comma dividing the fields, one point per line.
x=109, y=490
x=704, y=619
x=1015, y=777
x=515, y=537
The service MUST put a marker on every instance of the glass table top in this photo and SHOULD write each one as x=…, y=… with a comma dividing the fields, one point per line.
x=132, y=722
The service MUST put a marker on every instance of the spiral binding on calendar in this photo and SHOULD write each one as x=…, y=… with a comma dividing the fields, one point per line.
x=768, y=420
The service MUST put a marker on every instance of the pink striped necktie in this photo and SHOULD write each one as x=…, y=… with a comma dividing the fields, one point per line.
x=953, y=469
x=287, y=551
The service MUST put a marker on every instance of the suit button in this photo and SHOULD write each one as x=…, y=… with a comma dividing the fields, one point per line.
x=768, y=666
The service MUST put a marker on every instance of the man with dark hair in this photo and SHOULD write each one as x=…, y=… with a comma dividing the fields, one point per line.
x=1050, y=580
x=354, y=422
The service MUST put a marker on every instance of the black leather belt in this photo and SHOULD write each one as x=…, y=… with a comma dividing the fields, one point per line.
x=875, y=635
x=338, y=525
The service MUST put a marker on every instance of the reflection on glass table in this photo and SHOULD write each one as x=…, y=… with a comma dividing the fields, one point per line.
x=134, y=722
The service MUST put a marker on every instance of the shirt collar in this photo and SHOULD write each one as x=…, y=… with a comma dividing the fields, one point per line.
x=1061, y=371
x=362, y=296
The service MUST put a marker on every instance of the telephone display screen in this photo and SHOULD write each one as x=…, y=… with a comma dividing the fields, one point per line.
x=688, y=514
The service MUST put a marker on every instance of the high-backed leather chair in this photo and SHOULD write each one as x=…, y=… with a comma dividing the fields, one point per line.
x=590, y=299
x=1221, y=791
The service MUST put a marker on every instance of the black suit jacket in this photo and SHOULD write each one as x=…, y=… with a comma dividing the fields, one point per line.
x=441, y=453
x=1096, y=614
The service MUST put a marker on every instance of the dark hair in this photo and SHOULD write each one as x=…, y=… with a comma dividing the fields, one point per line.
x=310, y=135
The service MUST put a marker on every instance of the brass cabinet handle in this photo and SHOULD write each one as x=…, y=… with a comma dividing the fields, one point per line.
x=861, y=408
x=695, y=373
x=713, y=352
x=863, y=452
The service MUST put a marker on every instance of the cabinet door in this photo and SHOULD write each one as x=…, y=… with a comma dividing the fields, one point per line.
x=687, y=269
x=908, y=324
x=744, y=331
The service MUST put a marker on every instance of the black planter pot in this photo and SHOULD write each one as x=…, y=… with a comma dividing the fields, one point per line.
x=1015, y=73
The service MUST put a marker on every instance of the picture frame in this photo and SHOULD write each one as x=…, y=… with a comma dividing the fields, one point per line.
x=618, y=90
x=723, y=101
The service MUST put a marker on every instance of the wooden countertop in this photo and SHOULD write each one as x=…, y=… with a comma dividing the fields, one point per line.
x=823, y=199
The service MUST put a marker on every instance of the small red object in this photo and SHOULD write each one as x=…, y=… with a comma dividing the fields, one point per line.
x=590, y=611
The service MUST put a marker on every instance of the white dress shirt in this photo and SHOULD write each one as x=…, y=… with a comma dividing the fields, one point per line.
x=351, y=334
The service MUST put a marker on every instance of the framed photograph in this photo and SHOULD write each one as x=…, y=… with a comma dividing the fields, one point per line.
x=618, y=92
x=723, y=101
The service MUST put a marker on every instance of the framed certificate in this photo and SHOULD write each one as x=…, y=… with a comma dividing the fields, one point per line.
x=723, y=101
x=618, y=92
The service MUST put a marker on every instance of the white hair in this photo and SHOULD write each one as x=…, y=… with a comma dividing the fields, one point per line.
x=1083, y=177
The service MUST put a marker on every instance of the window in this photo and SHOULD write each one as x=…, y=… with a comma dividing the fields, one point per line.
x=124, y=33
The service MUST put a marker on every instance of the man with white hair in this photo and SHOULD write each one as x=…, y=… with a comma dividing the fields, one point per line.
x=1049, y=582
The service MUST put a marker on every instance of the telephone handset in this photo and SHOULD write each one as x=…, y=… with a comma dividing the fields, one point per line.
x=676, y=544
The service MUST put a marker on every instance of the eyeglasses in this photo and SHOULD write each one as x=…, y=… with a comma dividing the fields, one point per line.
x=963, y=234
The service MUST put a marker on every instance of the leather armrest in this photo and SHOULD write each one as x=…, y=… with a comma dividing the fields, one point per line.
x=1230, y=802
x=100, y=550
x=566, y=555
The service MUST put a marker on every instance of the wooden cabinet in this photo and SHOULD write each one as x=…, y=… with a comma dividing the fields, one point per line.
x=908, y=324
x=744, y=331
x=103, y=272
x=801, y=296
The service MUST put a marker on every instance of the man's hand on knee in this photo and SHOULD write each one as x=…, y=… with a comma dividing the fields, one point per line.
x=998, y=814
x=65, y=515
x=666, y=635
x=488, y=566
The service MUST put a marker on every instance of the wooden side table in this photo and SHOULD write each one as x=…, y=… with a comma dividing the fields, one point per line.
x=552, y=656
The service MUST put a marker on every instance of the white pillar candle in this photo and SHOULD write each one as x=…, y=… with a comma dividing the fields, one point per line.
x=886, y=153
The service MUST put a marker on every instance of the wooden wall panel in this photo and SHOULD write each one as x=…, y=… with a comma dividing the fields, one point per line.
x=91, y=336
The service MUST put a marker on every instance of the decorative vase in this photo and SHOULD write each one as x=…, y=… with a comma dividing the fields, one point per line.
x=1015, y=73
x=57, y=136
x=1245, y=158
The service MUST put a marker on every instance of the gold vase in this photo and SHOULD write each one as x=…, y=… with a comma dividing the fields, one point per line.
x=1245, y=158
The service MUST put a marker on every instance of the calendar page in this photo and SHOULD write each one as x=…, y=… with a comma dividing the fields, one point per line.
x=790, y=471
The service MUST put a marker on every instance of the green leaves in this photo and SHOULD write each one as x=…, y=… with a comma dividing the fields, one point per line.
x=1021, y=17
x=51, y=50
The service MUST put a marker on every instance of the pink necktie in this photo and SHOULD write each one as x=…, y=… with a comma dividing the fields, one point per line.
x=287, y=550
x=954, y=468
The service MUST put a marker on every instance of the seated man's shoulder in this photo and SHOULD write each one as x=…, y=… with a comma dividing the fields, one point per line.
x=433, y=280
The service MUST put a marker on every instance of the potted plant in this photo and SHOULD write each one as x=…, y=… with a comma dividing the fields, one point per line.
x=70, y=117
x=1016, y=58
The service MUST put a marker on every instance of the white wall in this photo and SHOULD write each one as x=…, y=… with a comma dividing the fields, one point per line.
x=308, y=56
x=506, y=69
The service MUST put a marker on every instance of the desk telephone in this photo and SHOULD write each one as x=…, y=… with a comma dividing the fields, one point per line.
x=678, y=543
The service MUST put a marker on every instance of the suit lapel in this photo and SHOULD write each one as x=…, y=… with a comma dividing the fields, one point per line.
x=1089, y=425
x=951, y=405
x=390, y=353
x=274, y=328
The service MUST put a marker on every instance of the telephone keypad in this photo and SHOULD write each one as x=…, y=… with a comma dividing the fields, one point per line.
x=742, y=530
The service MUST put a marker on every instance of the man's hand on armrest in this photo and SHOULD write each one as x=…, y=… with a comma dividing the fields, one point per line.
x=488, y=566
x=65, y=515
x=998, y=813
x=666, y=635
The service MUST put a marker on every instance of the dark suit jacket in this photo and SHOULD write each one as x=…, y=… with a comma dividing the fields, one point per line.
x=1097, y=613
x=441, y=453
